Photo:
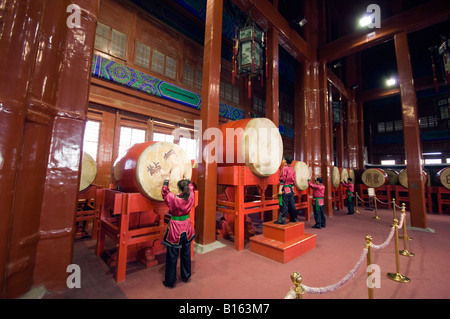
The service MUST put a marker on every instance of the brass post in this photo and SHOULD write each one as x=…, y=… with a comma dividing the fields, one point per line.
x=393, y=206
x=298, y=288
x=375, y=203
x=356, y=197
x=405, y=251
x=397, y=276
x=404, y=223
x=369, y=262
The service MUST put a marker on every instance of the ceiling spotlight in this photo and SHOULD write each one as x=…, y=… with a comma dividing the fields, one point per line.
x=354, y=87
x=337, y=65
x=302, y=22
x=391, y=82
x=365, y=21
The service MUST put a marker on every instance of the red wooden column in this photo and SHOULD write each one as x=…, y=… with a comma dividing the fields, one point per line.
x=272, y=83
x=72, y=84
x=44, y=84
x=411, y=132
x=324, y=147
x=302, y=143
x=18, y=47
x=207, y=171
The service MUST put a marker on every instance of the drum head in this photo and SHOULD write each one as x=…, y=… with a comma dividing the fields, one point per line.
x=344, y=175
x=444, y=177
x=374, y=177
x=88, y=171
x=157, y=160
x=335, y=177
x=302, y=174
x=351, y=174
x=262, y=147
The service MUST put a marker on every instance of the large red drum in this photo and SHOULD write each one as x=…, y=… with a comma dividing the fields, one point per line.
x=302, y=174
x=255, y=143
x=443, y=177
x=403, y=178
x=374, y=177
x=392, y=176
x=88, y=171
x=144, y=167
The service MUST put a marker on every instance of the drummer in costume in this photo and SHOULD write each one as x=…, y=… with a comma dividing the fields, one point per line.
x=350, y=189
x=179, y=233
x=318, y=198
x=287, y=181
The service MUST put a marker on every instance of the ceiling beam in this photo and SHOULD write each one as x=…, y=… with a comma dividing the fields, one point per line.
x=420, y=17
x=266, y=15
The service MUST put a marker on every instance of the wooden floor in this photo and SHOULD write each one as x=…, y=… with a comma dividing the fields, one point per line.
x=225, y=273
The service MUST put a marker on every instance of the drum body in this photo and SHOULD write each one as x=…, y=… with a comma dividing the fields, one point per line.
x=403, y=178
x=144, y=167
x=255, y=143
x=302, y=174
x=392, y=176
x=374, y=177
x=443, y=177
x=88, y=171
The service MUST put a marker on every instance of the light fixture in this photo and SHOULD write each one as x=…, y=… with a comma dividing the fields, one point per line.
x=365, y=21
x=391, y=82
x=354, y=87
x=336, y=65
x=248, y=53
x=302, y=22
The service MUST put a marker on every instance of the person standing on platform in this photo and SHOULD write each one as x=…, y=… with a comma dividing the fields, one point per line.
x=350, y=189
x=287, y=181
x=319, y=203
x=179, y=233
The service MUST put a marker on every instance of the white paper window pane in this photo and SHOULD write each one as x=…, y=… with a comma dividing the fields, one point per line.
x=189, y=146
x=433, y=161
x=128, y=137
x=118, y=44
x=159, y=137
x=142, y=55
x=388, y=162
x=158, y=62
x=91, y=136
x=381, y=128
x=188, y=75
x=102, y=37
x=171, y=67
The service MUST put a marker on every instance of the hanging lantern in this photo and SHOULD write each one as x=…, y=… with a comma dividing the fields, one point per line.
x=248, y=57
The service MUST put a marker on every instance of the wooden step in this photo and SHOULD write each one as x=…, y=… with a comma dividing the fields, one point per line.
x=282, y=252
x=284, y=233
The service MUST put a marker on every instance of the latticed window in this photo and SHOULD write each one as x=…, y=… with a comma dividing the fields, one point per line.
x=91, y=138
x=110, y=41
x=128, y=137
x=142, y=55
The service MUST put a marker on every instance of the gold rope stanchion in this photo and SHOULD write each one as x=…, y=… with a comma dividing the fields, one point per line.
x=376, y=211
x=397, y=276
x=405, y=251
x=356, y=197
x=404, y=223
x=298, y=288
x=393, y=207
x=369, y=262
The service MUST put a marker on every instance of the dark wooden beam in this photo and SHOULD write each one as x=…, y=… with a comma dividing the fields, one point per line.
x=266, y=15
x=417, y=18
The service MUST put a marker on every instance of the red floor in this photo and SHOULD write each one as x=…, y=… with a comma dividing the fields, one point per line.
x=225, y=273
